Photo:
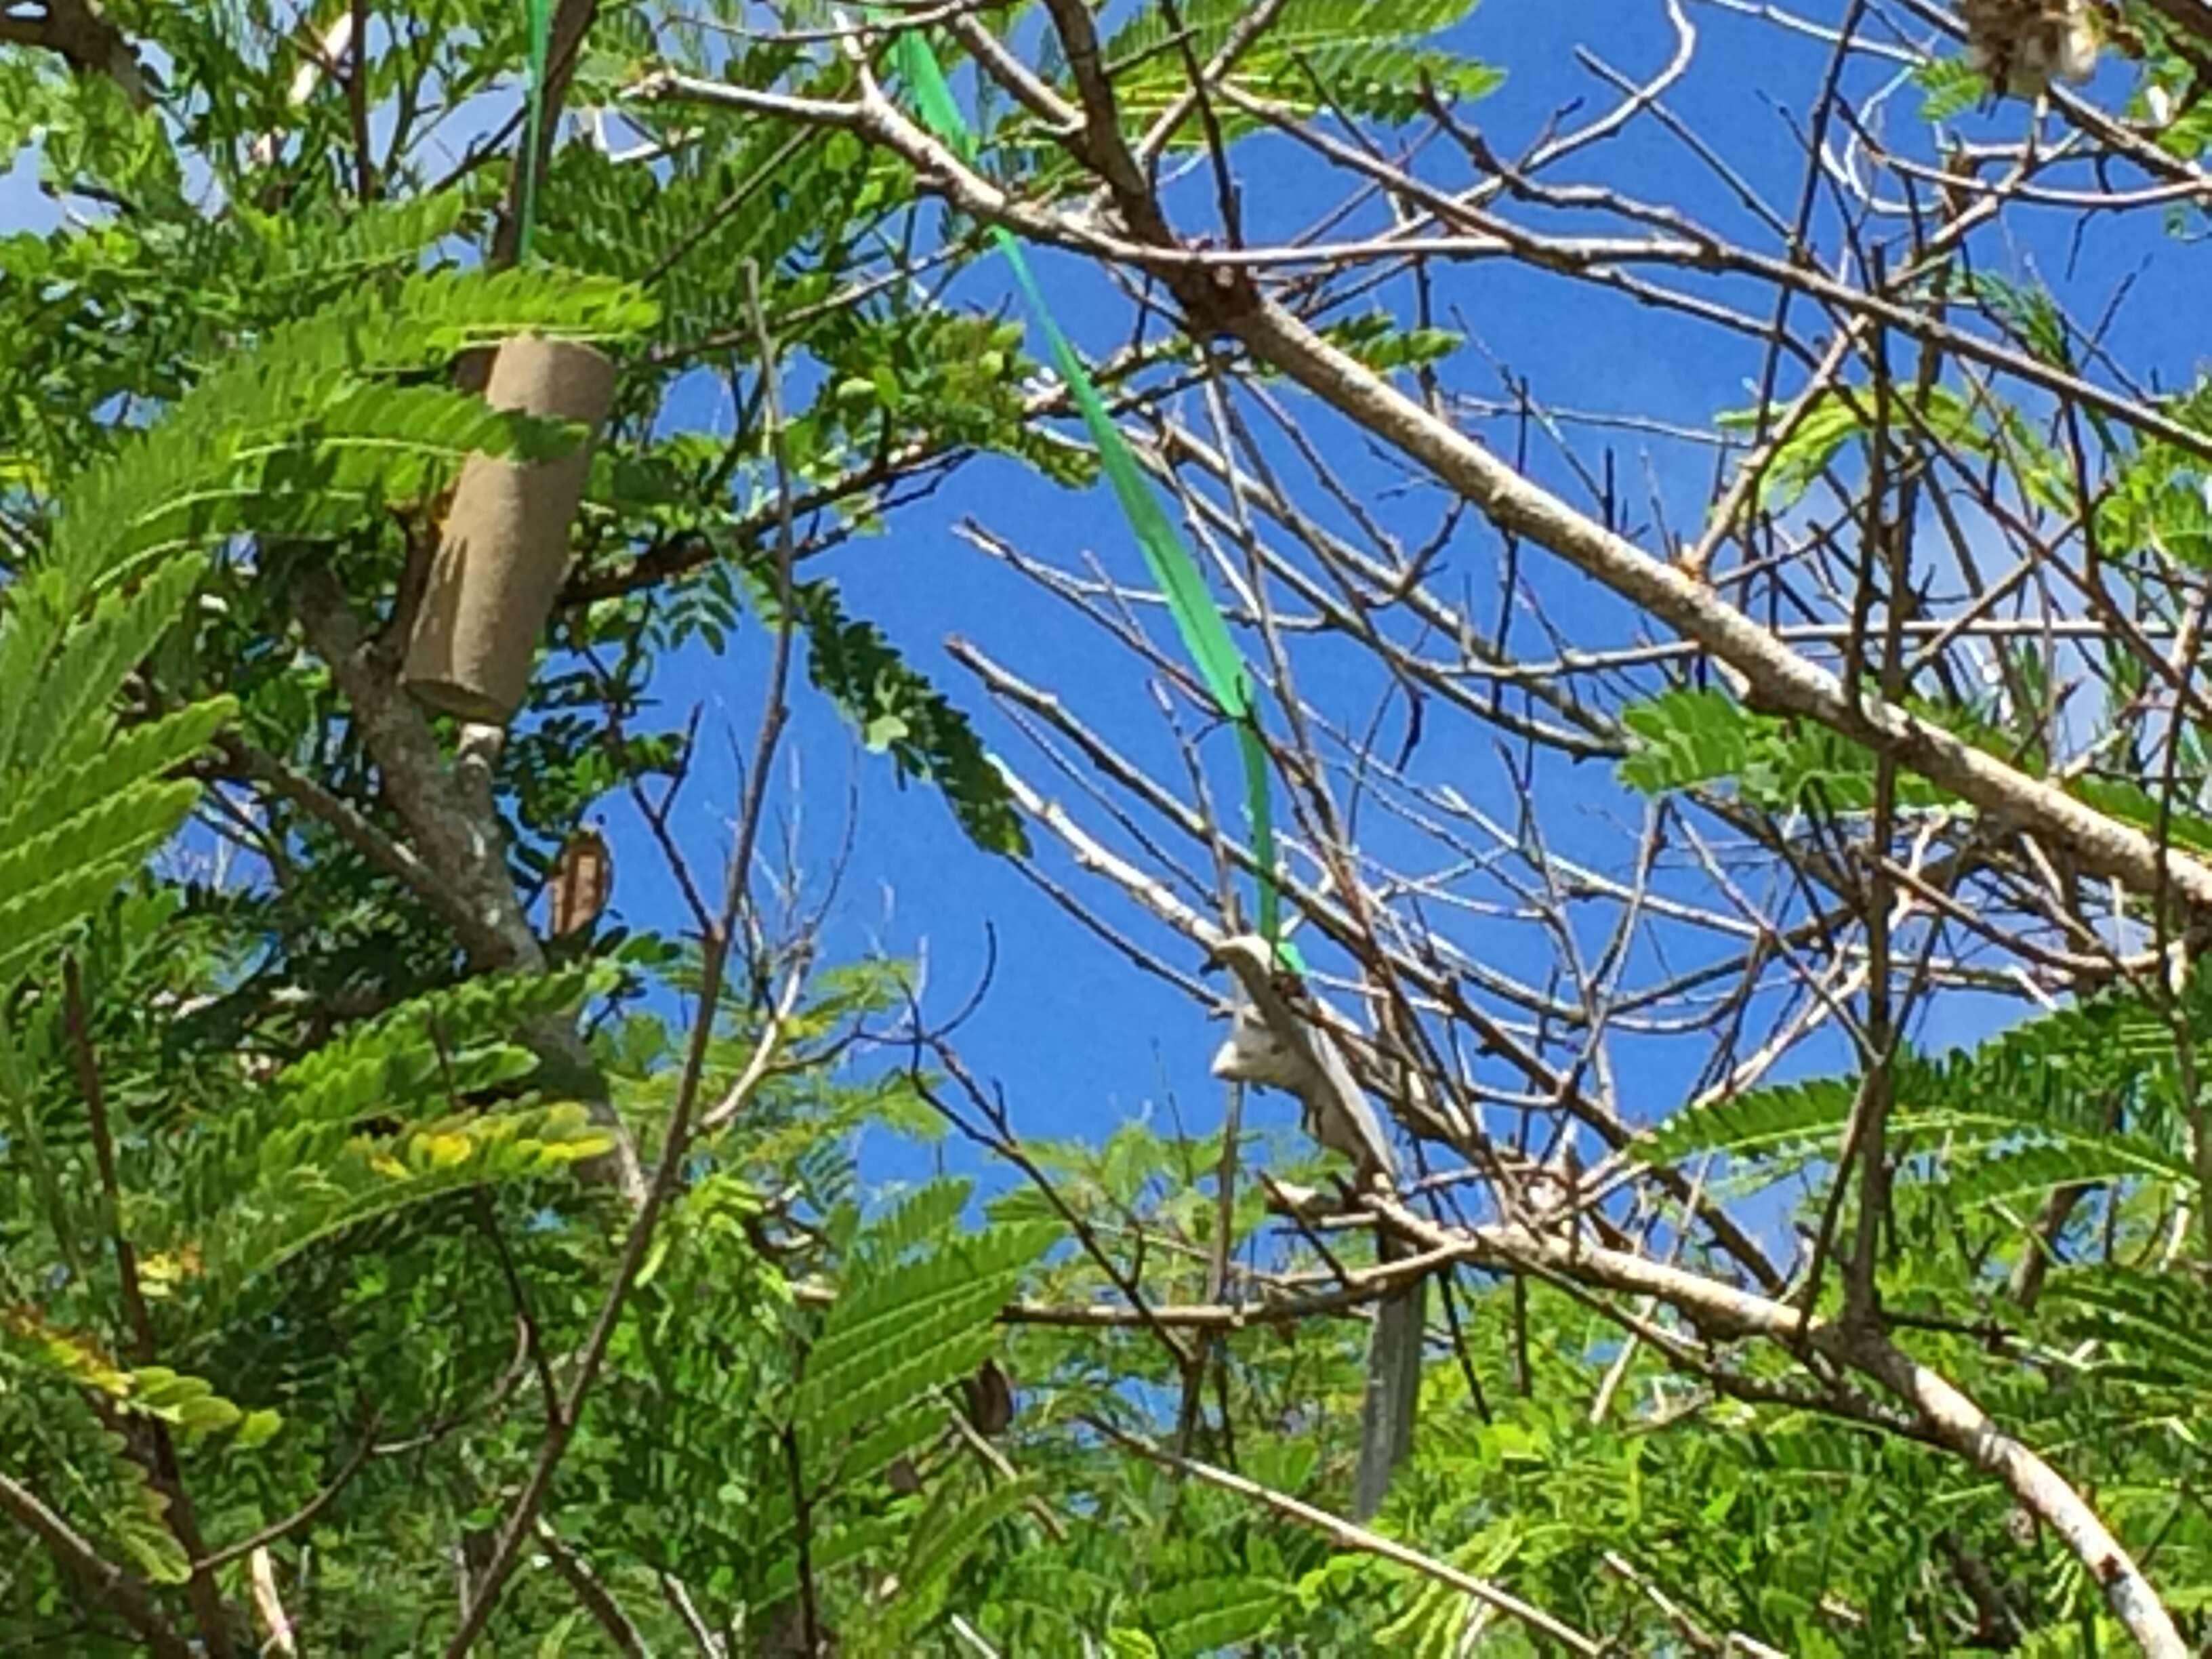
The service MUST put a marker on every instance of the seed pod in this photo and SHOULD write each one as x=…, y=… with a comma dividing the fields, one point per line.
x=583, y=874
x=989, y=1398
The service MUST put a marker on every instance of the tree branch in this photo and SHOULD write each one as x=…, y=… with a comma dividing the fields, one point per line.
x=1348, y=1536
x=79, y=32
x=1780, y=678
x=1215, y=297
x=461, y=840
x=102, y=1580
x=593, y=1592
x=1947, y=1417
x=214, y=1618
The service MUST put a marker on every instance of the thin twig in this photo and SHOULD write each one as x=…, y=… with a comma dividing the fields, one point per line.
x=1350, y=1536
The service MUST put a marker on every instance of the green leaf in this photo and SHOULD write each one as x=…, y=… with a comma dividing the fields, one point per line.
x=62, y=670
x=304, y=397
x=2159, y=1325
x=949, y=1537
x=902, y=1328
x=301, y=1205
x=189, y=1403
x=121, y=766
x=2131, y=803
x=2016, y=1172
x=1208, y=1615
x=1761, y=1123
x=2159, y=499
x=33, y=918
x=1363, y=57
x=1830, y=422
x=28, y=1342
x=900, y=713
x=1950, y=87
x=1690, y=739
x=152, y=1547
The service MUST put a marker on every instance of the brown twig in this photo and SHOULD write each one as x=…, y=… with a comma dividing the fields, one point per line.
x=208, y=1608
x=1346, y=1535
x=105, y=1583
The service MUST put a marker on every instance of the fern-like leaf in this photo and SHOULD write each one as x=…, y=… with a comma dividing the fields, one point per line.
x=2158, y=1327
x=944, y=1539
x=299, y=1204
x=910, y=1328
x=177, y=483
x=1759, y=1122
x=1211, y=1615
x=899, y=712
x=1365, y=57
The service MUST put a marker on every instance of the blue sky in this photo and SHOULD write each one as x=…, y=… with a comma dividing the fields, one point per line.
x=1079, y=1041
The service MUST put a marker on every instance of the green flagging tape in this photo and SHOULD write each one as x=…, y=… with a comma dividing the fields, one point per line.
x=533, y=129
x=1197, y=618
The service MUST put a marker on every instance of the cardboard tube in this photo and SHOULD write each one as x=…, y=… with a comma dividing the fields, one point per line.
x=504, y=546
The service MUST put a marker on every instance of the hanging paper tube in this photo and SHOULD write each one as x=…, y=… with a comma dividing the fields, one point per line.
x=505, y=548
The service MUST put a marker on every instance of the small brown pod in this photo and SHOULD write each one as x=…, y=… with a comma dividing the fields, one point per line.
x=989, y=1396
x=583, y=874
x=505, y=545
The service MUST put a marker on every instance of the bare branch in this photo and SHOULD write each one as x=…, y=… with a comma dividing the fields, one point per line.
x=1344, y=1533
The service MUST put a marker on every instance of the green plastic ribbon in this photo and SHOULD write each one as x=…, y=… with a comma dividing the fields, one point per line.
x=1198, y=619
x=533, y=130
